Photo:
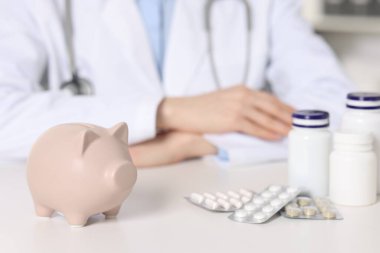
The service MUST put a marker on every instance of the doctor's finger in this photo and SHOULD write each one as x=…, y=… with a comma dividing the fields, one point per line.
x=273, y=99
x=250, y=128
x=266, y=121
x=274, y=107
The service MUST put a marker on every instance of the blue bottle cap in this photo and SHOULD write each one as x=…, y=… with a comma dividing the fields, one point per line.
x=364, y=96
x=311, y=119
x=363, y=100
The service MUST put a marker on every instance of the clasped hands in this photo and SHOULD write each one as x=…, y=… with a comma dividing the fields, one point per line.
x=182, y=121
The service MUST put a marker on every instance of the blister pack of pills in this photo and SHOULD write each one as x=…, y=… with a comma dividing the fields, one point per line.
x=305, y=207
x=265, y=204
x=220, y=201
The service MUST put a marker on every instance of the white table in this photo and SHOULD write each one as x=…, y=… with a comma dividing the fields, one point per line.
x=156, y=218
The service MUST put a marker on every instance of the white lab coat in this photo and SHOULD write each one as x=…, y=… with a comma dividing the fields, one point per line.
x=113, y=52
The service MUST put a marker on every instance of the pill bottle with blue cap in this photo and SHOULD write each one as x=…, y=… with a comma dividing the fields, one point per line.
x=309, y=150
x=363, y=115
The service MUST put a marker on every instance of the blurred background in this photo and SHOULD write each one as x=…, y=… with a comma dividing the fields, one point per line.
x=352, y=28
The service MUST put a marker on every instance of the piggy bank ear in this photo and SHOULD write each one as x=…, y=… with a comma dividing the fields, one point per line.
x=120, y=131
x=86, y=138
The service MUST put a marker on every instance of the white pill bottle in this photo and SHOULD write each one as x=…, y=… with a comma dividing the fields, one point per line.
x=309, y=151
x=353, y=169
x=363, y=115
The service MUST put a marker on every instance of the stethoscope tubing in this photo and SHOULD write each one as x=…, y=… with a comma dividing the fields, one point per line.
x=78, y=82
x=210, y=42
x=76, y=85
x=69, y=36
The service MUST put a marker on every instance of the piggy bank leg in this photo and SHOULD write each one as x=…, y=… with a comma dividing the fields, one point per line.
x=75, y=220
x=43, y=211
x=110, y=214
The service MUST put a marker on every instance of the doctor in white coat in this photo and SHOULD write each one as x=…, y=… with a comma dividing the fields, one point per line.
x=169, y=97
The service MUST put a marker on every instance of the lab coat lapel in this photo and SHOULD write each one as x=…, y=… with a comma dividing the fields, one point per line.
x=186, y=46
x=123, y=20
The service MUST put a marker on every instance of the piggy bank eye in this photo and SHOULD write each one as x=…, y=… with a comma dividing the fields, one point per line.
x=120, y=131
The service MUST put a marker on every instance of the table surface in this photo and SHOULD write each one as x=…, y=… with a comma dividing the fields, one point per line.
x=156, y=218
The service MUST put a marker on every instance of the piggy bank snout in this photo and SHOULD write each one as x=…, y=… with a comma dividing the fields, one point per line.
x=123, y=176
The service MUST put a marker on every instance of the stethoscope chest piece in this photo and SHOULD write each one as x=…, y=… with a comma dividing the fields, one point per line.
x=77, y=86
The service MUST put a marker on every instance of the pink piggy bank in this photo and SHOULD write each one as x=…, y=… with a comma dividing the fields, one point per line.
x=81, y=170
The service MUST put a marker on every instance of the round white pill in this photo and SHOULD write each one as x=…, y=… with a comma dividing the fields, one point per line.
x=258, y=200
x=233, y=194
x=224, y=204
x=284, y=195
x=209, y=196
x=292, y=190
x=221, y=195
x=250, y=207
x=246, y=193
x=211, y=204
x=268, y=209
x=275, y=188
x=245, y=199
x=236, y=203
x=196, y=198
x=240, y=213
x=276, y=202
x=259, y=216
x=266, y=195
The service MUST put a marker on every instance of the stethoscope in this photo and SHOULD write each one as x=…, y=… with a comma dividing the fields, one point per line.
x=76, y=85
x=81, y=86
x=210, y=42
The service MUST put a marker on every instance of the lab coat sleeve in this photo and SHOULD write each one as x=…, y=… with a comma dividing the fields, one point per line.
x=26, y=111
x=303, y=71
x=237, y=149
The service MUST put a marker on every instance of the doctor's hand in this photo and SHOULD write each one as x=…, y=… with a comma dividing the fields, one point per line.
x=236, y=109
x=169, y=148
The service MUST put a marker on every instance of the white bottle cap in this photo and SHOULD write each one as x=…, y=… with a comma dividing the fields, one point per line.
x=353, y=141
x=347, y=137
